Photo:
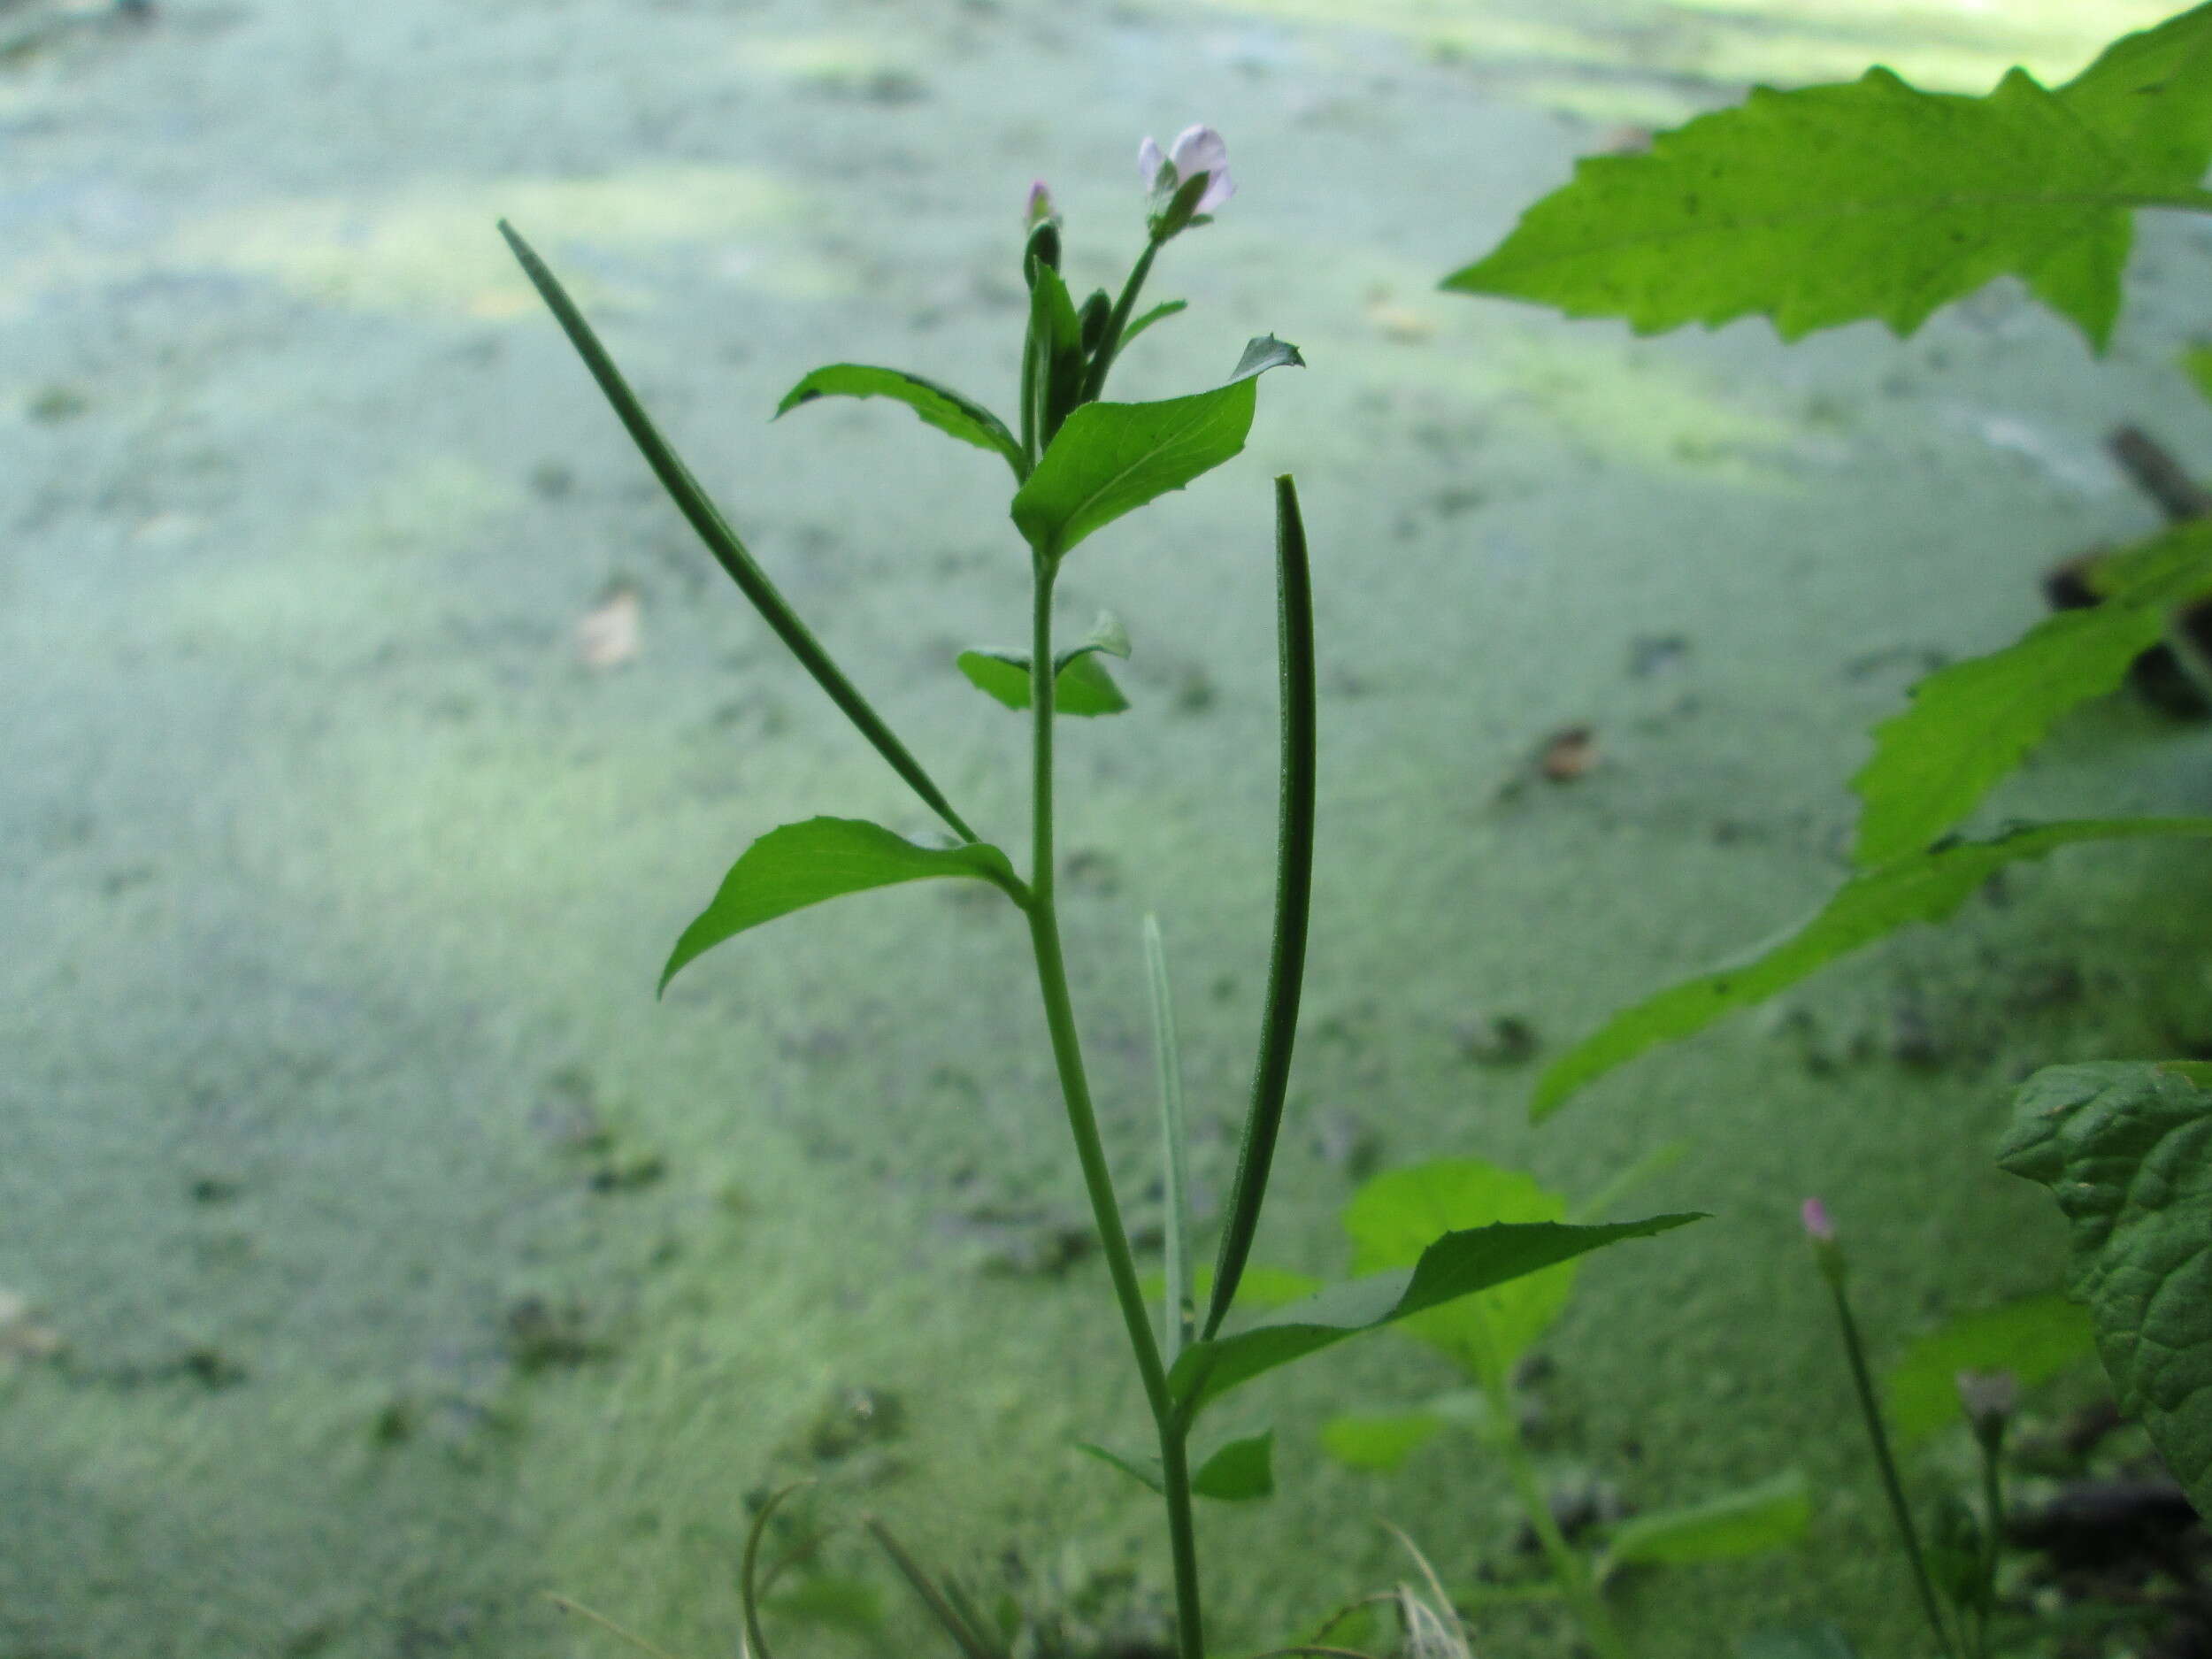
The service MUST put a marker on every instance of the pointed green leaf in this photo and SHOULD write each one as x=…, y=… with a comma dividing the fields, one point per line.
x=1455, y=1265
x=1770, y=1516
x=1378, y=1442
x=938, y=406
x=1082, y=687
x=2126, y=1149
x=1110, y=459
x=2149, y=97
x=1829, y=204
x=1866, y=908
x=1393, y=1217
x=1145, y=1473
x=1239, y=1472
x=1158, y=313
x=2034, y=1338
x=1971, y=723
x=799, y=864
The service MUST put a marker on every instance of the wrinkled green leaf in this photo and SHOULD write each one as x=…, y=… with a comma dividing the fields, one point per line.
x=1380, y=1443
x=802, y=863
x=1240, y=1472
x=1868, y=907
x=2034, y=1338
x=938, y=406
x=1395, y=1216
x=1082, y=687
x=2126, y=1149
x=1822, y=1641
x=1455, y=1265
x=1970, y=723
x=1110, y=459
x=2148, y=97
x=1772, y=1515
x=1829, y=204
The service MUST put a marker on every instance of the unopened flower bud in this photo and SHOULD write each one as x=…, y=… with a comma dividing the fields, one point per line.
x=1821, y=1233
x=1040, y=206
x=1989, y=1398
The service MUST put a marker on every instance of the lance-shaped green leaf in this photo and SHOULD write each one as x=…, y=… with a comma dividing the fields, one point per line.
x=1110, y=459
x=1457, y=1264
x=1157, y=314
x=1829, y=204
x=1927, y=888
x=1378, y=1440
x=938, y=406
x=2126, y=1149
x=802, y=863
x=1770, y=1516
x=1080, y=684
x=1394, y=1215
x=1971, y=723
x=2034, y=1338
x=1239, y=1472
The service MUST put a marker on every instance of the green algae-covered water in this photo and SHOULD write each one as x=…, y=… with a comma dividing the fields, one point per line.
x=379, y=1257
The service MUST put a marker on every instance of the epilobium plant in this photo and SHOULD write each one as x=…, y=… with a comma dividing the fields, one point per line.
x=1079, y=463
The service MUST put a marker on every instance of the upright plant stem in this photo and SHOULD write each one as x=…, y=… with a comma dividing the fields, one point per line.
x=1901, y=1512
x=1075, y=1090
x=1568, y=1567
x=1117, y=322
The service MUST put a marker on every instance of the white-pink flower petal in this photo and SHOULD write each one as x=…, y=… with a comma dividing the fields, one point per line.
x=1198, y=150
x=1149, y=161
x=1220, y=187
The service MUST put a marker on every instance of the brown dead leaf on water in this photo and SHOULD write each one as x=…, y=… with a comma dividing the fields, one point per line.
x=607, y=636
x=1567, y=754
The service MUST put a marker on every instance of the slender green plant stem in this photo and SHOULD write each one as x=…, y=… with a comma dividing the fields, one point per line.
x=1567, y=1565
x=1293, y=896
x=1174, y=1144
x=705, y=518
x=1901, y=1512
x=965, y=1636
x=1117, y=321
x=1993, y=1535
x=1090, y=1151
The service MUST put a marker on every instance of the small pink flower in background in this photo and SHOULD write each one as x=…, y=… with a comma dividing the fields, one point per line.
x=1817, y=1226
x=1196, y=150
x=1039, y=208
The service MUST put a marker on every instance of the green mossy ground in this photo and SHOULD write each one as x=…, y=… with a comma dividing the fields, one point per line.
x=411, y=1263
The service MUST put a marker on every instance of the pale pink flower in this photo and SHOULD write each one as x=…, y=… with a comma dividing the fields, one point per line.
x=1040, y=207
x=1196, y=150
x=1817, y=1226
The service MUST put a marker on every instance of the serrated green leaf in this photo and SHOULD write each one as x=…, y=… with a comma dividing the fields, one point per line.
x=1111, y=458
x=938, y=406
x=1870, y=906
x=802, y=863
x=2149, y=97
x=2126, y=1149
x=1830, y=204
x=2034, y=1338
x=1241, y=1472
x=1378, y=1442
x=2196, y=363
x=1971, y=723
x=1082, y=687
x=1772, y=1515
x=1393, y=1218
x=1455, y=1265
